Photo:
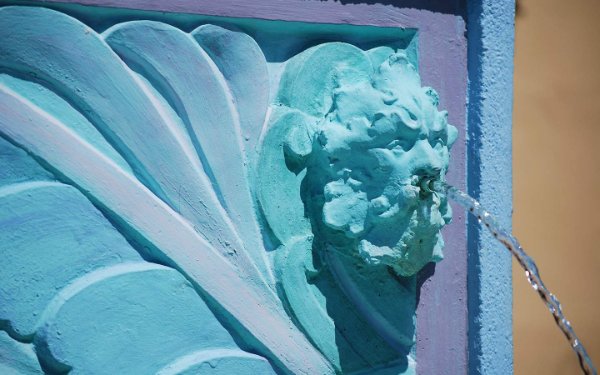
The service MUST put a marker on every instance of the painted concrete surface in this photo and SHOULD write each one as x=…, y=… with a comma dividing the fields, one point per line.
x=491, y=33
x=124, y=109
x=224, y=197
x=353, y=167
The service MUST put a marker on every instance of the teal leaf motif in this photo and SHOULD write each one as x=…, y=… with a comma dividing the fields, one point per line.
x=244, y=67
x=188, y=78
x=128, y=232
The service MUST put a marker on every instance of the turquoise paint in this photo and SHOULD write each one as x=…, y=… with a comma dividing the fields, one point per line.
x=118, y=112
x=187, y=77
x=176, y=322
x=146, y=217
x=59, y=108
x=75, y=284
x=107, y=301
x=17, y=358
x=15, y=161
x=219, y=362
x=159, y=130
x=42, y=223
x=238, y=57
x=358, y=136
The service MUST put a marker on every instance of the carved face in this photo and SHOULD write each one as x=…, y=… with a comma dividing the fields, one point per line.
x=375, y=157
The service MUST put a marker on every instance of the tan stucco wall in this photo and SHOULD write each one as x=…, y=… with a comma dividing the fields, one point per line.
x=557, y=177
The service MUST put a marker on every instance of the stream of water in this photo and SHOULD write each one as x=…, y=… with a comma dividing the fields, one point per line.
x=531, y=271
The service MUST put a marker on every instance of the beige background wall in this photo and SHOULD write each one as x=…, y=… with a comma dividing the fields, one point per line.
x=557, y=177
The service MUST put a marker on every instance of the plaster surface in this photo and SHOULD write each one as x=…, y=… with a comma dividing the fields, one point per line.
x=343, y=180
x=491, y=32
x=550, y=230
x=169, y=94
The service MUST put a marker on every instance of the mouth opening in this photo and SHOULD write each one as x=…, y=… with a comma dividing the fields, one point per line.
x=430, y=184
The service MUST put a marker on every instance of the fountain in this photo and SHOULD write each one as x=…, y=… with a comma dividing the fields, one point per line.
x=531, y=271
x=269, y=190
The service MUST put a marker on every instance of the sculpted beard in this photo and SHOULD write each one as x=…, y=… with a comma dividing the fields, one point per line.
x=416, y=222
x=399, y=227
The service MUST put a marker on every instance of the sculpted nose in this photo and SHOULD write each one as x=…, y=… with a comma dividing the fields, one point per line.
x=426, y=162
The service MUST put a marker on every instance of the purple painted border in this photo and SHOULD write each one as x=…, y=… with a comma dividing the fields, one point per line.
x=442, y=311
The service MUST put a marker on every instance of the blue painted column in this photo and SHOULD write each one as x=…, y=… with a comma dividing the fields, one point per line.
x=491, y=39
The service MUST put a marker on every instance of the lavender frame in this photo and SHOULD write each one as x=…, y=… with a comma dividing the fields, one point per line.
x=443, y=313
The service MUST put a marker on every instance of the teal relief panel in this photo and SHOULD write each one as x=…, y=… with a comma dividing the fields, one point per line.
x=199, y=200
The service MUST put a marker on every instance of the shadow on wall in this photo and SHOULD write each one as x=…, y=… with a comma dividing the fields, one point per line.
x=455, y=7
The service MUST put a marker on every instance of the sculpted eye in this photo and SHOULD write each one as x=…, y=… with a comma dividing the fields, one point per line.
x=378, y=116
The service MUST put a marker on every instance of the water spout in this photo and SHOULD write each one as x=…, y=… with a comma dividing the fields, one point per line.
x=531, y=271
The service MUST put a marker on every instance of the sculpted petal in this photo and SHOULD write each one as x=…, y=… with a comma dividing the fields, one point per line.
x=118, y=103
x=159, y=234
x=244, y=67
x=189, y=80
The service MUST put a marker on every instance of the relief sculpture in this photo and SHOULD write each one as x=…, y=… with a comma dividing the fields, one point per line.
x=364, y=142
x=173, y=202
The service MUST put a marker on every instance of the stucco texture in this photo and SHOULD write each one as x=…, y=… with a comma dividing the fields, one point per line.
x=556, y=178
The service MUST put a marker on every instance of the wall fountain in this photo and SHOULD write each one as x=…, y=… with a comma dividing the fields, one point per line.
x=232, y=188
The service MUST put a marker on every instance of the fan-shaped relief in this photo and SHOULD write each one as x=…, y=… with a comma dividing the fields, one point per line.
x=129, y=231
x=77, y=296
x=353, y=148
x=165, y=209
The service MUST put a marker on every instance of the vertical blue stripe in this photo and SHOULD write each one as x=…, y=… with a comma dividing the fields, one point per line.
x=489, y=169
